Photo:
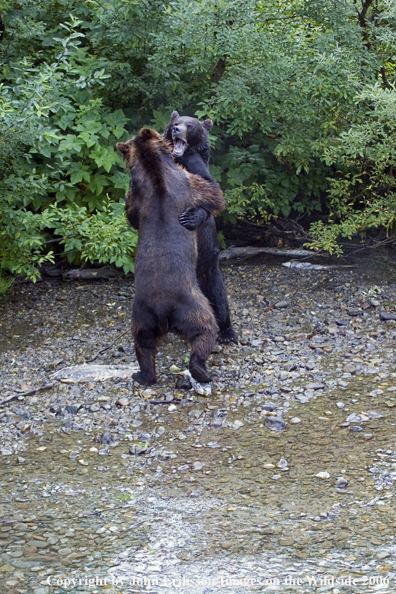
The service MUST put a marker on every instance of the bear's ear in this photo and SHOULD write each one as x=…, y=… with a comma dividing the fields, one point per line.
x=149, y=134
x=207, y=124
x=124, y=148
x=174, y=115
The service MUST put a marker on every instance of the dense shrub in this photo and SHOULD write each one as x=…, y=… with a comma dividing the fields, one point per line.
x=302, y=95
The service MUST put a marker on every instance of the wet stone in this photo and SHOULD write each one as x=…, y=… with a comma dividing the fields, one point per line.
x=183, y=383
x=227, y=544
x=274, y=423
x=383, y=555
x=387, y=316
x=282, y=304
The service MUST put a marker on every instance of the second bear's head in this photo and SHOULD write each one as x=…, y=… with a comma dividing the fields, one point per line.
x=189, y=135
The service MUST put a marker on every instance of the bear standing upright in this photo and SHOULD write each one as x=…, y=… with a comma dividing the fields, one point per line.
x=191, y=149
x=167, y=294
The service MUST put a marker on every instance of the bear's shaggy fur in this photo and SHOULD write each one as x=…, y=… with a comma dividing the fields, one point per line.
x=167, y=295
x=190, y=142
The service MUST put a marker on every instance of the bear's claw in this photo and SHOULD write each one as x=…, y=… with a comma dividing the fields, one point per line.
x=192, y=218
x=228, y=335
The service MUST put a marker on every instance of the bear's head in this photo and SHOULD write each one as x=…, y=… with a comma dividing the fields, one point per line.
x=188, y=133
x=146, y=152
x=146, y=143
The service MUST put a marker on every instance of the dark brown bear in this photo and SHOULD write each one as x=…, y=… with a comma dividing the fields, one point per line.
x=167, y=296
x=191, y=148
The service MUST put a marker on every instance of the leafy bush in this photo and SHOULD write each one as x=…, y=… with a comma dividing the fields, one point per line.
x=58, y=165
x=6, y=283
x=362, y=195
x=101, y=237
x=302, y=95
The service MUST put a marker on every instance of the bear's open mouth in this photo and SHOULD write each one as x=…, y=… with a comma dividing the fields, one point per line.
x=179, y=146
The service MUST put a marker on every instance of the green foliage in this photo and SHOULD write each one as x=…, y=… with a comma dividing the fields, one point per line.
x=362, y=195
x=6, y=283
x=102, y=237
x=301, y=93
x=125, y=496
x=58, y=166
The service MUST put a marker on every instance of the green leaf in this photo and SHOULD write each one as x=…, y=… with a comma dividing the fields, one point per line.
x=104, y=157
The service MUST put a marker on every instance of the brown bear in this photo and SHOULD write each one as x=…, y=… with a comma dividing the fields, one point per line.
x=191, y=148
x=167, y=294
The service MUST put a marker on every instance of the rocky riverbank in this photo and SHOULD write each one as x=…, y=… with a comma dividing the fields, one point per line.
x=286, y=471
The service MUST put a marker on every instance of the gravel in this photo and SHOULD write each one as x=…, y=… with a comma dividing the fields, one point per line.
x=101, y=476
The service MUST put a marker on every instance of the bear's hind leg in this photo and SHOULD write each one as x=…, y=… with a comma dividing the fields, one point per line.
x=211, y=281
x=199, y=328
x=145, y=347
x=213, y=287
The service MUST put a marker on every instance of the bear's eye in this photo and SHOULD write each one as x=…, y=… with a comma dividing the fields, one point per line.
x=189, y=126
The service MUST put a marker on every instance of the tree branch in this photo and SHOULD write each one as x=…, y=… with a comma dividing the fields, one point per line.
x=219, y=70
x=362, y=20
x=385, y=81
x=362, y=14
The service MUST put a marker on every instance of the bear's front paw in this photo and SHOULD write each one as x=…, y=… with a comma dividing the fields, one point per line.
x=192, y=218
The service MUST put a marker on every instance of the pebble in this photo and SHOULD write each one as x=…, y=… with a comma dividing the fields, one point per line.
x=354, y=418
x=6, y=452
x=295, y=420
x=315, y=386
x=137, y=449
x=282, y=304
x=341, y=483
x=323, y=475
x=387, y=316
x=237, y=425
x=197, y=466
x=183, y=383
x=283, y=464
x=286, y=542
x=6, y=568
x=274, y=423
x=71, y=409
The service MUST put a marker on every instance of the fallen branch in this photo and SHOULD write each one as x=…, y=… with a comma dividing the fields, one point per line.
x=388, y=241
x=175, y=401
x=107, y=348
x=23, y=394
